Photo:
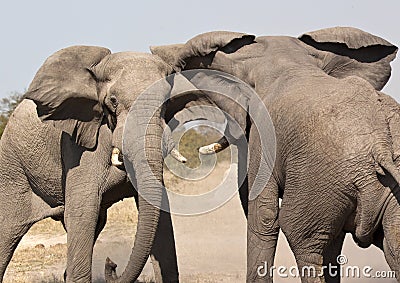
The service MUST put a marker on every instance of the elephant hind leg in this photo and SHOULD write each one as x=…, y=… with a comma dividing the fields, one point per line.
x=391, y=230
x=311, y=220
x=331, y=258
x=262, y=233
x=372, y=201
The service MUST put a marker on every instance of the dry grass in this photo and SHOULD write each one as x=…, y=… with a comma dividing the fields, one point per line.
x=27, y=264
x=47, y=226
x=123, y=212
x=38, y=260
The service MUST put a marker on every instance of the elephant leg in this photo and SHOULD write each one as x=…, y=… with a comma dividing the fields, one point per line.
x=311, y=218
x=391, y=230
x=262, y=218
x=21, y=208
x=262, y=233
x=243, y=180
x=82, y=206
x=307, y=243
x=331, y=253
x=99, y=227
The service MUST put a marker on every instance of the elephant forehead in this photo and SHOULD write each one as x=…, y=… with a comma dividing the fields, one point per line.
x=285, y=42
x=128, y=74
x=131, y=84
x=140, y=62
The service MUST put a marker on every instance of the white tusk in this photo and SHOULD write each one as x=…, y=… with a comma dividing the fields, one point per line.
x=178, y=156
x=115, y=157
x=211, y=148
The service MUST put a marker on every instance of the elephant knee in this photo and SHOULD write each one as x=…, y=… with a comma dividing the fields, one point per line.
x=263, y=219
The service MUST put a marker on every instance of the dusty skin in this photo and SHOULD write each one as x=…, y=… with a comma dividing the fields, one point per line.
x=211, y=247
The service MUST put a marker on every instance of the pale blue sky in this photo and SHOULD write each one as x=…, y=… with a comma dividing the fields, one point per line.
x=32, y=30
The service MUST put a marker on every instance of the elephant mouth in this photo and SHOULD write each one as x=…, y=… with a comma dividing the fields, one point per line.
x=117, y=159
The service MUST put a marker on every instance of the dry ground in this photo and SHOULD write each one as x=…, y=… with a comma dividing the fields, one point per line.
x=211, y=247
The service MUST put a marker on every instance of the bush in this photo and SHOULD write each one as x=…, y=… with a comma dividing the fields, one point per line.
x=7, y=106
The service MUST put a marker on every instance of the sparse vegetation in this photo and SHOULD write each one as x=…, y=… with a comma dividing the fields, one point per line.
x=31, y=263
x=7, y=106
x=196, y=137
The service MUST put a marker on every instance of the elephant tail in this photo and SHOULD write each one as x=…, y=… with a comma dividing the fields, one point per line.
x=389, y=165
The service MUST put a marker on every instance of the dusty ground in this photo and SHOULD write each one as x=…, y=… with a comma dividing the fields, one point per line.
x=210, y=247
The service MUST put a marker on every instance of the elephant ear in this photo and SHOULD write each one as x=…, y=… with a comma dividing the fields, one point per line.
x=65, y=92
x=226, y=92
x=197, y=50
x=198, y=107
x=349, y=51
x=169, y=54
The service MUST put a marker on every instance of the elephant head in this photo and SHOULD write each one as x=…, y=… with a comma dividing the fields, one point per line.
x=79, y=89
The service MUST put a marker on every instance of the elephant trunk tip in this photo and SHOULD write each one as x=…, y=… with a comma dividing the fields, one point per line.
x=110, y=270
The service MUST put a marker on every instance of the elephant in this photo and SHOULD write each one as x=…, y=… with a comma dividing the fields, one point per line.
x=61, y=157
x=337, y=147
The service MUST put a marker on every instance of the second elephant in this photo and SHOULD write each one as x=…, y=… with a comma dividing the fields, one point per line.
x=335, y=163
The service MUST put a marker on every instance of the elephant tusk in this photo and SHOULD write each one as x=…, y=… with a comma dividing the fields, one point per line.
x=211, y=148
x=115, y=157
x=178, y=156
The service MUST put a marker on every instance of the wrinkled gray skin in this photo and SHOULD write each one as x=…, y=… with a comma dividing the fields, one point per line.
x=61, y=168
x=337, y=140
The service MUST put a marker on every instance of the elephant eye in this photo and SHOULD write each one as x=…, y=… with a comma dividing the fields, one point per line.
x=114, y=101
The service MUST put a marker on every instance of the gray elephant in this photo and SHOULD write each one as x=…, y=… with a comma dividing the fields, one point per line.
x=69, y=168
x=336, y=165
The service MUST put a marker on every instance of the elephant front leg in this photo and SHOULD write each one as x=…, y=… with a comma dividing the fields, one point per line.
x=82, y=206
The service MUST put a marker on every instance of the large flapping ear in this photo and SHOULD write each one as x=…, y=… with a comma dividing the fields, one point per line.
x=65, y=92
x=349, y=51
x=197, y=50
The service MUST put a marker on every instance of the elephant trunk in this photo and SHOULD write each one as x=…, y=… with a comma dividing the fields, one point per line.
x=168, y=145
x=142, y=150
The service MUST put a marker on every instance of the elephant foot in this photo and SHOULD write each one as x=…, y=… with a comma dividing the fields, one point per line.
x=110, y=270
